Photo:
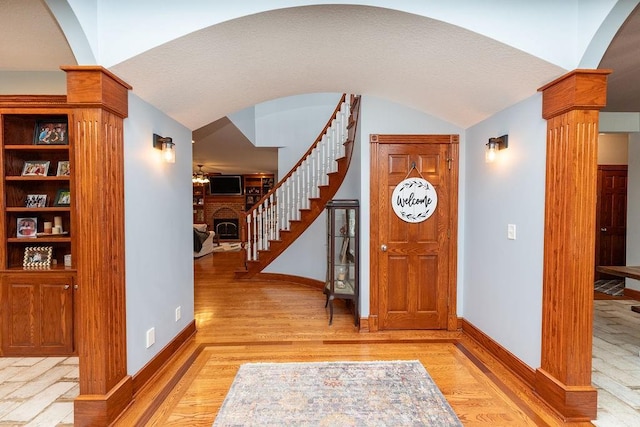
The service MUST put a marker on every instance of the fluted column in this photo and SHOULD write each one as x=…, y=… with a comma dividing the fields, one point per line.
x=571, y=106
x=99, y=102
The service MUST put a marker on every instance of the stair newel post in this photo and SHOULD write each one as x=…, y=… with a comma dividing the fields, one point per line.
x=323, y=159
x=345, y=121
x=249, y=246
x=313, y=170
x=256, y=248
x=259, y=228
x=296, y=197
x=307, y=182
x=318, y=176
x=265, y=226
x=332, y=146
x=303, y=186
x=272, y=219
x=283, y=201
x=278, y=206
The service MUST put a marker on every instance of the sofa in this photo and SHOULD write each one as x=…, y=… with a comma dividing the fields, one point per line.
x=204, y=240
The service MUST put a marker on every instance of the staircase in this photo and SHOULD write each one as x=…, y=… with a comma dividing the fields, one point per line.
x=283, y=214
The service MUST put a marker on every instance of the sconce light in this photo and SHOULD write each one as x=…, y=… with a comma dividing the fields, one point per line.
x=495, y=144
x=167, y=146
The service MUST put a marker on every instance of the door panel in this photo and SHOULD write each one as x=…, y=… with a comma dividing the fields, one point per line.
x=611, y=217
x=413, y=271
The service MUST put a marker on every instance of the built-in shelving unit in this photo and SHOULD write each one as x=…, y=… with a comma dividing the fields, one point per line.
x=37, y=240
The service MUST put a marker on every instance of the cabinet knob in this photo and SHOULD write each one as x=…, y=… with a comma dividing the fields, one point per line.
x=383, y=248
x=66, y=287
x=603, y=229
x=75, y=287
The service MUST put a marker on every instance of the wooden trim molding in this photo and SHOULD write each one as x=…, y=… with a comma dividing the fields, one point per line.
x=142, y=377
x=508, y=359
x=103, y=409
x=632, y=293
x=571, y=106
x=278, y=277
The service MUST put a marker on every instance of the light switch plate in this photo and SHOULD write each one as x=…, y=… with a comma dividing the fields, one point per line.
x=511, y=231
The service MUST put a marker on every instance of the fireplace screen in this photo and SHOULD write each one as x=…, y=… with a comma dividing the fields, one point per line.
x=226, y=228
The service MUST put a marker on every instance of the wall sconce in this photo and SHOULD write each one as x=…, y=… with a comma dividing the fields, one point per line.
x=167, y=146
x=495, y=144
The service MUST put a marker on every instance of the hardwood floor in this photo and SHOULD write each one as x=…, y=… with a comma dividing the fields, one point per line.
x=240, y=322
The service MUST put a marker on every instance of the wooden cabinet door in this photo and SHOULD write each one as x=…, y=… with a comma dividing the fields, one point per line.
x=37, y=314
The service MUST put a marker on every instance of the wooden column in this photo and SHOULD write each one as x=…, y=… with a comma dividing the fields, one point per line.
x=571, y=107
x=99, y=102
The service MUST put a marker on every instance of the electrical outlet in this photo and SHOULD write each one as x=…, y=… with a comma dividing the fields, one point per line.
x=151, y=337
x=178, y=313
x=511, y=231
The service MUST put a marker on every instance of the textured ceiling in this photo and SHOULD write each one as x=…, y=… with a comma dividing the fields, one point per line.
x=425, y=64
x=434, y=67
x=30, y=39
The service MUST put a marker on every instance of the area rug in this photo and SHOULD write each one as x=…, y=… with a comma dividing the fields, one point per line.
x=610, y=287
x=394, y=393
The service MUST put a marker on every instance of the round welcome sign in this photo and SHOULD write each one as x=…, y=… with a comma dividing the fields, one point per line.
x=414, y=200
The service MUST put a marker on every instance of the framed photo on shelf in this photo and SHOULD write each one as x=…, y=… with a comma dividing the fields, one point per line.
x=37, y=256
x=36, y=201
x=63, y=198
x=63, y=168
x=27, y=227
x=35, y=168
x=51, y=132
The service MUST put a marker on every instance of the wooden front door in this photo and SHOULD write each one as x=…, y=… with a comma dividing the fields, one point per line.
x=413, y=265
x=611, y=217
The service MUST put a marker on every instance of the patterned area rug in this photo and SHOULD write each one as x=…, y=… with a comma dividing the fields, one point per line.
x=610, y=287
x=395, y=393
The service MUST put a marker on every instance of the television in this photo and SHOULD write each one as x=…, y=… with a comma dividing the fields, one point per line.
x=220, y=185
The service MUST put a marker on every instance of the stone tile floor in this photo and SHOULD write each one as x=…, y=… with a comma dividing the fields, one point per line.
x=616, y=362
x=38, y=391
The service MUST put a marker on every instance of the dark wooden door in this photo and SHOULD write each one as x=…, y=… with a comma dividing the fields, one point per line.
x=611, y=217
x=413, y=260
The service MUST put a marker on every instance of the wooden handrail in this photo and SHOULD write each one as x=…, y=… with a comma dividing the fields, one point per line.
x=303, y=157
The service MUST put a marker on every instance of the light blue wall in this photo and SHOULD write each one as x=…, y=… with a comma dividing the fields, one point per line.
x=502, y=284
x=158, y=230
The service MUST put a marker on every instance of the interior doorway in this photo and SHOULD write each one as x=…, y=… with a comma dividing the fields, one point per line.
x=413, y=263
x=611, y=217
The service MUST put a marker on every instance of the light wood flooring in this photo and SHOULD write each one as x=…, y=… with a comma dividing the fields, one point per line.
x=240, y=322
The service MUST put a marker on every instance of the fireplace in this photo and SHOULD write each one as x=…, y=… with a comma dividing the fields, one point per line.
x=226, y=228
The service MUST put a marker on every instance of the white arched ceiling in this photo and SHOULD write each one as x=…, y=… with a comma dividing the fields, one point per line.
x=30, y=38
x=435, y=67
x=557, y=32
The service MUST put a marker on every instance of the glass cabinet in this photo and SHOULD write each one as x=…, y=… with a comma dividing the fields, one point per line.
x=343, y=255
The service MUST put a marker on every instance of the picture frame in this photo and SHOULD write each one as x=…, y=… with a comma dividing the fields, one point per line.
x=36, y=201
x=63, y=197
x=63, y=168
x=51, y=132
x=27, y=227
x=35, y=168
x=37, y=257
